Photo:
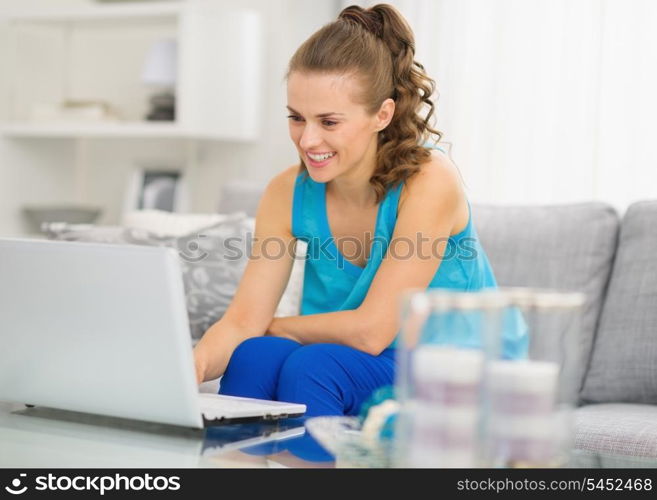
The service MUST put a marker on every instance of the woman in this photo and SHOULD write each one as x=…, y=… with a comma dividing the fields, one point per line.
x=377, y=208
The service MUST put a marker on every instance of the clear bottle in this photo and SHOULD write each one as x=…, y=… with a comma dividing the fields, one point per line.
x=487, y=378
x=445, y=341
x=529, y=402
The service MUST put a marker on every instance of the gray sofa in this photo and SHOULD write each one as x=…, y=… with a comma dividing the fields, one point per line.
x=587, y=247
x=583, y=247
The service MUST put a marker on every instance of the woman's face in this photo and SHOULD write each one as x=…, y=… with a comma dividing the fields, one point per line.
x=333, y=133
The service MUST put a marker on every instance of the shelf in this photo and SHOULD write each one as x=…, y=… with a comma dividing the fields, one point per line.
x=121, y=130
x=100, y=12
x=97, y=52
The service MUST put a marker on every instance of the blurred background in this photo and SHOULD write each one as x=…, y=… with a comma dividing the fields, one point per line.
x=110, y=106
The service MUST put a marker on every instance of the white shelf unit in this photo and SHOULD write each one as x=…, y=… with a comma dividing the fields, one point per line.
x=96, y=52
x=122, y=130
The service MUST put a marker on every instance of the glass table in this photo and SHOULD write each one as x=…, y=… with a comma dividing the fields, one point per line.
x=48, y=438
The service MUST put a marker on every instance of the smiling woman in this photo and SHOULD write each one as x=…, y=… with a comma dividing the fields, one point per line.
x=345, y=139
x=359, y=111
x=367, y=66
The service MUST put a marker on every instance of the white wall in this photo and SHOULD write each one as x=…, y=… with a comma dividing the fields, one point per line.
x=544, y=101
x=43, y=171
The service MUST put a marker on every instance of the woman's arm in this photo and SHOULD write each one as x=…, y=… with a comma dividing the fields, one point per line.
x=262, y=284
x=341, y=327
x=431, y=205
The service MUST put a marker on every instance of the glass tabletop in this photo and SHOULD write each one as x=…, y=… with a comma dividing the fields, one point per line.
x=47, y=438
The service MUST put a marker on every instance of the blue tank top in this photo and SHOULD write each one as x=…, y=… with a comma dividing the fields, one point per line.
x=333, y=283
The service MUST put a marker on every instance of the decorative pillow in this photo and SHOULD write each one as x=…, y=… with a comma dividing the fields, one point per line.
x=623, y=366
x=212, y=260
x=164, y=223
x=566, y=247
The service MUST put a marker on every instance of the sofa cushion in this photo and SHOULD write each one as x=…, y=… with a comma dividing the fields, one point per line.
x=163, y=223
x=564, y=247
x=617, y=429
x=624, y=362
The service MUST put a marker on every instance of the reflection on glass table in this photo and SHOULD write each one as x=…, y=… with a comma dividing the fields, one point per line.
x=46, y=438
x=267, y=444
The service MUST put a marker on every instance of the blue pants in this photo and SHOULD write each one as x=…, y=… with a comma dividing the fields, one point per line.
x=330, y=379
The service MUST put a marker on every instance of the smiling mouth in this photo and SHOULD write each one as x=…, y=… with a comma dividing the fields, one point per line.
x=319, y=158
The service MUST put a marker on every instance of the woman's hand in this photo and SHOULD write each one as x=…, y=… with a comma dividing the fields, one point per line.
x=201, y=367
x=213, y=352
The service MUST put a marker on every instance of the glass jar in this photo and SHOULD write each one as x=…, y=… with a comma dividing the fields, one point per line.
x=445, y=340
x=486, y=378
x=529, y=401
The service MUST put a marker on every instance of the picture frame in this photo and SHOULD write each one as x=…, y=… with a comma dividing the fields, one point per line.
x=157, y=188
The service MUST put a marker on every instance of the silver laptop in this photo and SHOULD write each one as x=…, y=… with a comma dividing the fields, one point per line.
x=103, y=329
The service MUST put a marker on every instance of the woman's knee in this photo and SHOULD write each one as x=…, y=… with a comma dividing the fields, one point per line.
x=254, y=367
x=263, y=352
x=310, y=361
x=255, y=347
x=311, y=375
x=332, y=379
